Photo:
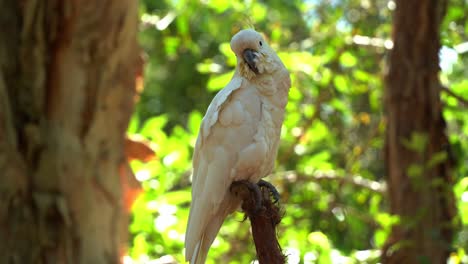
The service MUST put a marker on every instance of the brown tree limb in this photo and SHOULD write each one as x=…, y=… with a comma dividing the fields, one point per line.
x=459, y=98
x=352, y=180
x=264, y=216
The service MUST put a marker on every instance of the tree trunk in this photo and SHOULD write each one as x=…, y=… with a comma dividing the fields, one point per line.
x=417, y=150
x=67, y=78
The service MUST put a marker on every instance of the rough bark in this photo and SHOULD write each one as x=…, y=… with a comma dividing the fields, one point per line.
x=67, y=78
x=417, y=150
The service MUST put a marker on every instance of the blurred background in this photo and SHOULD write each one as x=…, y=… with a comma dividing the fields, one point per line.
x=330, y=169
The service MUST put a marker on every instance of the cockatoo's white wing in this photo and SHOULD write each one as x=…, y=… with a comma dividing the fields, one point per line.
x=227, y=128
x=211, y=117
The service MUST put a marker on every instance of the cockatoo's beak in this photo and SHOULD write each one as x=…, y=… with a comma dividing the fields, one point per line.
x=250, y=57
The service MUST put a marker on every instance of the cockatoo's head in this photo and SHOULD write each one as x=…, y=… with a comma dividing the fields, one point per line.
x=254, y=56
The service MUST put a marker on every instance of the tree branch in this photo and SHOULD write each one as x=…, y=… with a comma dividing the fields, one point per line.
x=460, y=99
x=264, y=216
x=355, y=180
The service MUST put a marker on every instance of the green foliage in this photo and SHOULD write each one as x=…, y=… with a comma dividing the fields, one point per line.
x=417, y=142
x=329, y=171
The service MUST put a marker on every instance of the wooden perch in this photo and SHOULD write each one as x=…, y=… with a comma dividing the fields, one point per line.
x=264, y=216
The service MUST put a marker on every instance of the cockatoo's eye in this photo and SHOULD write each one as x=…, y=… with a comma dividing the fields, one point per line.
x=260, y=43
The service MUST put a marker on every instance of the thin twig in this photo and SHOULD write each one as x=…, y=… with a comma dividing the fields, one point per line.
x=355, y=180
x=460, y=99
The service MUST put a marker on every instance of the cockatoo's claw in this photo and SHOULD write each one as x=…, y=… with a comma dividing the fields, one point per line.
x=271, y=188
x=254, y=192
x=257, y=197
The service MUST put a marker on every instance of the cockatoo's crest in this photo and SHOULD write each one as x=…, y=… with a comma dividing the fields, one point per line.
x=246, y=22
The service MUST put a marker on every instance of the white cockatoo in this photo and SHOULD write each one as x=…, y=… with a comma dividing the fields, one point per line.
x=238, y=138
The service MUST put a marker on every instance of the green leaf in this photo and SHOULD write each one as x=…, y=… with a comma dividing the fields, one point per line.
x=194, y=121
x=301, y=61
x=317, y=132
x=295, y=94
x=414, y=170
x=153, y=125
x=461, y=192
x=171, y=44
x=319, y=161
x=417, y=142
x=361, y=75
x=259, y=11
x=218, y=82
x=225, y=49
x=348, y=60
x=325, y=77
x=340, y=83
x=182, y=23
x=218, y=5
x=208, y=66
x=437, y=158
x=176, y=197
x=134, y=124
x=320, y=239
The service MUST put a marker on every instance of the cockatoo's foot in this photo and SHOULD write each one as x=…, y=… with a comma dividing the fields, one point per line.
x=244, y=189
x=273, y=191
